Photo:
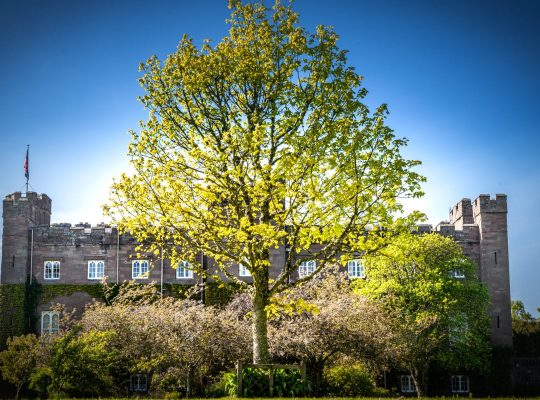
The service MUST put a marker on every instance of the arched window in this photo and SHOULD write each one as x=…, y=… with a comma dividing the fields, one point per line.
x=50, y=322
x=96, y=269
x=184, y=271
x=52, y=270
x=139, y=269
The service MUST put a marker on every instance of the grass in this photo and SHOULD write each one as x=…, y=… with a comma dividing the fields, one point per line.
x=352, y=398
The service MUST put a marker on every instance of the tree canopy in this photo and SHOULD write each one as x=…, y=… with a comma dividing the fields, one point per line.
x=19, y=359
x=261, y=141
x=525, y=331
x=432, y=290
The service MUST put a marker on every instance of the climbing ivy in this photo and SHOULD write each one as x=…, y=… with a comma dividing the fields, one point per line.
x=217, y=293
x=12, y=315
x=47, y=293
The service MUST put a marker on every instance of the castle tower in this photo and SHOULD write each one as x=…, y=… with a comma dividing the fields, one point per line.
x=491, y=217
x=20, y=214
x=461, y=214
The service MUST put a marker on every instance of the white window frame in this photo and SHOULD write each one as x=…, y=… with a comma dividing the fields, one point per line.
x=307, y=268
x=47, y=322
x=183, y=271
x=460, y=384
x=457, y=273
x=96, y=269
x=138, y=382
x=407, y=384
x=356, y=269
x=243, y=271
x=137, y=270
x=51, y=270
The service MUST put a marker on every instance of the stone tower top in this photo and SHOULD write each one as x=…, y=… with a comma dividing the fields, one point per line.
x=36, y=208
x=461, y=214
x=484, y=203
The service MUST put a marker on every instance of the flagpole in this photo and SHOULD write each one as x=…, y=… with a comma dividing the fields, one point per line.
x=26, y=167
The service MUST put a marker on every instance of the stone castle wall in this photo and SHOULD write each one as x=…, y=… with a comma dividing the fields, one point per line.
x=30, y=241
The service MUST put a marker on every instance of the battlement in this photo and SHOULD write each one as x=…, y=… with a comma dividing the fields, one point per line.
x=41, y=201
x=33, y=208
x=424, y=228
x=85, y=227
x=462, y=213
x=82, y=234
x=485, y=204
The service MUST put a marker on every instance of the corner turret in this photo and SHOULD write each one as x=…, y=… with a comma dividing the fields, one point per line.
x=21, y=212
x=461, y=214
x=491, y=217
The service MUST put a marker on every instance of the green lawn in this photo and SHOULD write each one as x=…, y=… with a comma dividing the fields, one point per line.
x=360, y=398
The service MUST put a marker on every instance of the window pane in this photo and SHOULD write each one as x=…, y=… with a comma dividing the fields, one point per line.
x=144, y=268
x=183, y=271
x=243, y=271
x=306, y=268
x=45, y=322
x=55, y=323
x=52, y=270
x=135, y=272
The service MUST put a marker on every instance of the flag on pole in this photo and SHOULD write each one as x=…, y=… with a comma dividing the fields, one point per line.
x=26, y=170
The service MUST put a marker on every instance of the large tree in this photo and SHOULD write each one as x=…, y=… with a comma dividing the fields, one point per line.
x=440, y=307
x=257, y=142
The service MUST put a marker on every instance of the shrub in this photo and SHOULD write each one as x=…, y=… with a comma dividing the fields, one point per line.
x=40, y=381
x=220, y=386
x=348, y=381
x=255, y=383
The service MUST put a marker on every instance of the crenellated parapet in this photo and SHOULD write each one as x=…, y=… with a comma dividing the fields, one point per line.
x=31, y=245
x=34, y=207
x=485, y=204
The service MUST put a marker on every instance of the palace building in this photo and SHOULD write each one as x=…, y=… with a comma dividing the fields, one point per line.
x=69, y=261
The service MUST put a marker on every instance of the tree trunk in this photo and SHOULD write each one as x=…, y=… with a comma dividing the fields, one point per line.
x=316, y=366
x=419, y=378
x=260, y=323
x=189, y=383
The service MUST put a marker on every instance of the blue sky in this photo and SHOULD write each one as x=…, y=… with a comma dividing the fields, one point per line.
x=461, y=79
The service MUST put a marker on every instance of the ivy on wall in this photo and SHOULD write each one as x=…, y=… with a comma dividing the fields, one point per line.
x=217, y=293
x=47, y=293
x=12, y=311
